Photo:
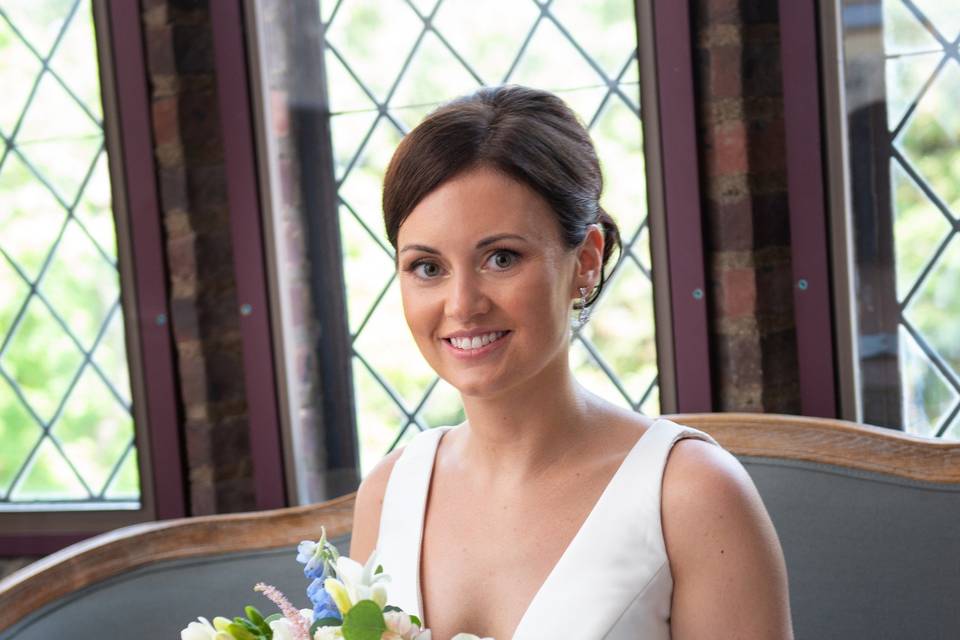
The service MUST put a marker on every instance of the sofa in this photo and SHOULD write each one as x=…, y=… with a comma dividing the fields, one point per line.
x=868, y=519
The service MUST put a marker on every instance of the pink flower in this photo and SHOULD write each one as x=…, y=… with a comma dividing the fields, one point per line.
x=399, y=627
x=299, y=625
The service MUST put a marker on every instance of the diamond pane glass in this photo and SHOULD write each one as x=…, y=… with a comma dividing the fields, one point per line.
x=20, y=433
x=65, y=414
x=49, y=477
x=485, y=38
x=936, y=307
x=374, y=37
x=93, y=433
x=902, y=68
x=917, y=224
x=125, y=485
x=931, y=140
x=391, y=63
x=927, y=395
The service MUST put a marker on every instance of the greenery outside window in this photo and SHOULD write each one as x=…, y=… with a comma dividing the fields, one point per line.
x=66, y=405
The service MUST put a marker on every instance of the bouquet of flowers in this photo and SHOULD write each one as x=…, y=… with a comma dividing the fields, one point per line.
x=349, y=603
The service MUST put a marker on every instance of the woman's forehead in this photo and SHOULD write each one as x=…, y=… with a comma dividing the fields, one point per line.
x=477, y=204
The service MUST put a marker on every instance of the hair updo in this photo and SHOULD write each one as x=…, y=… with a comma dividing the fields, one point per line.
x=530, y=135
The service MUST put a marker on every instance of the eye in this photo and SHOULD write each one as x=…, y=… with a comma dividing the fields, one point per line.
x=503, y=259
x=425, y=269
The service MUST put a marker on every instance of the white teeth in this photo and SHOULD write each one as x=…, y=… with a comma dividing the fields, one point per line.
x=468, y=344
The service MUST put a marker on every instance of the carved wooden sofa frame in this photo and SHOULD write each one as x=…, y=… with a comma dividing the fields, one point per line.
x=869, y=520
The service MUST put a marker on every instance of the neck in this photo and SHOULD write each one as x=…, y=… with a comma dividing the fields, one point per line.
x=519, y=434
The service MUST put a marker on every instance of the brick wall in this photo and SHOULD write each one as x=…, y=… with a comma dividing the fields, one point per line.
x=745, y=214
x=204, y=316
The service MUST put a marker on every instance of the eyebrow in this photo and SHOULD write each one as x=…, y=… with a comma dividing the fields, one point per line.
x=480, y=245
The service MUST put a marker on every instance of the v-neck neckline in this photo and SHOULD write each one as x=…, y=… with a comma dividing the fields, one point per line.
x=582, y=531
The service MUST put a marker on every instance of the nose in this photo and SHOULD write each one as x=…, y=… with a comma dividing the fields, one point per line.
x=466, y=298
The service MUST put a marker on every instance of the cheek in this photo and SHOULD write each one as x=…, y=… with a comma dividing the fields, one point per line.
x=418, y=310
x=542, y=301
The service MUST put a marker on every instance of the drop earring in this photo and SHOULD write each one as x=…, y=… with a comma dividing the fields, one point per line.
x=584, y=316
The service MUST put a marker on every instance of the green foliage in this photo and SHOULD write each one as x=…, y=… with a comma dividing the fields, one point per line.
x=257, y=620
x=60, y=240
x=364, y=621
x=243, y=632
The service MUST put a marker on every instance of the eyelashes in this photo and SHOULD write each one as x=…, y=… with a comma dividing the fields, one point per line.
x=499, y=260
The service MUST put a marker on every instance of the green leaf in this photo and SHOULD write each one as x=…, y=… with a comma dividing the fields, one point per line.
x=364, y=621
x=240, y=633
x=415, y=620
x=378, y=570
x=253, y=615
x=249, y=626
x=273, y=616
x=390, y=607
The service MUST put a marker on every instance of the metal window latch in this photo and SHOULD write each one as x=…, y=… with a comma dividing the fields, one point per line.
x=878, y=344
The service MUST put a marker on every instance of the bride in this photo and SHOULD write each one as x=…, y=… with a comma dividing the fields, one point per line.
x=549, y=512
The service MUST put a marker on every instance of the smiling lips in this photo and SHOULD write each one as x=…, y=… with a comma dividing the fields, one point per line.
x=475, y=342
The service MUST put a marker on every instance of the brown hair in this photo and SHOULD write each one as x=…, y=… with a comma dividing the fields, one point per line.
x=528, y=134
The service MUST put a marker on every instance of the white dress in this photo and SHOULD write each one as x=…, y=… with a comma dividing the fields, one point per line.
x=619, y=550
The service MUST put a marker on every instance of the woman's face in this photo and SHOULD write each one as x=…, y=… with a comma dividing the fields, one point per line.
x=486, y=282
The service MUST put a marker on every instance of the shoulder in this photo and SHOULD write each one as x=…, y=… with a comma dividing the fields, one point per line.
x=706, y=491
x=368, y=505
x=722, y=546
x=699, y=473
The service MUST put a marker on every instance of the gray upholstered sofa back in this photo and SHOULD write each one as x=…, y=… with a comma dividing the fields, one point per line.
x=869, y=556
x=157, y=601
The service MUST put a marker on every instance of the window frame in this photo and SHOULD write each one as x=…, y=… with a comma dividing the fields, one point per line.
x=249, y=256
x=671, y=144
x=807, y=200
x=840, y=202
x=128, y=133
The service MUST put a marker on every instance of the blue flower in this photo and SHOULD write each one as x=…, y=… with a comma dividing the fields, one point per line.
x=323, y=604
x=318, y=557
x=309, y=554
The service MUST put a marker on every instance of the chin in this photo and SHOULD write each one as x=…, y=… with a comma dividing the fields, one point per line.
x=478, y=390
x=473, y=386
x=490, y=384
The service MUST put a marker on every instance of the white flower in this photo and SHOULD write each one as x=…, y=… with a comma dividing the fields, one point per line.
x=355, y=583
x=468, y=636
x=203, y=630
x=399, y=627
x=283, y=628
x=328, y=633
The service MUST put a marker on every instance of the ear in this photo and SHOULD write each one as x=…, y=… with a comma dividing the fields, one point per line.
x=589, y=260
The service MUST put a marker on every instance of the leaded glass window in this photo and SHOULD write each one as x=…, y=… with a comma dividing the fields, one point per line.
x=65, y=401
x=390, y=62
x=902, y=88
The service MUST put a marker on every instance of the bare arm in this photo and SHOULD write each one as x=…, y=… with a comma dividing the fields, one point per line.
x=366, y=511
x=730, y=580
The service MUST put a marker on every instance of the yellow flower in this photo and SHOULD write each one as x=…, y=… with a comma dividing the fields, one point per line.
x=339, y=593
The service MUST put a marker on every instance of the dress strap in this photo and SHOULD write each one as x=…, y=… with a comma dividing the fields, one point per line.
x=618, y=558
x=402, y=515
